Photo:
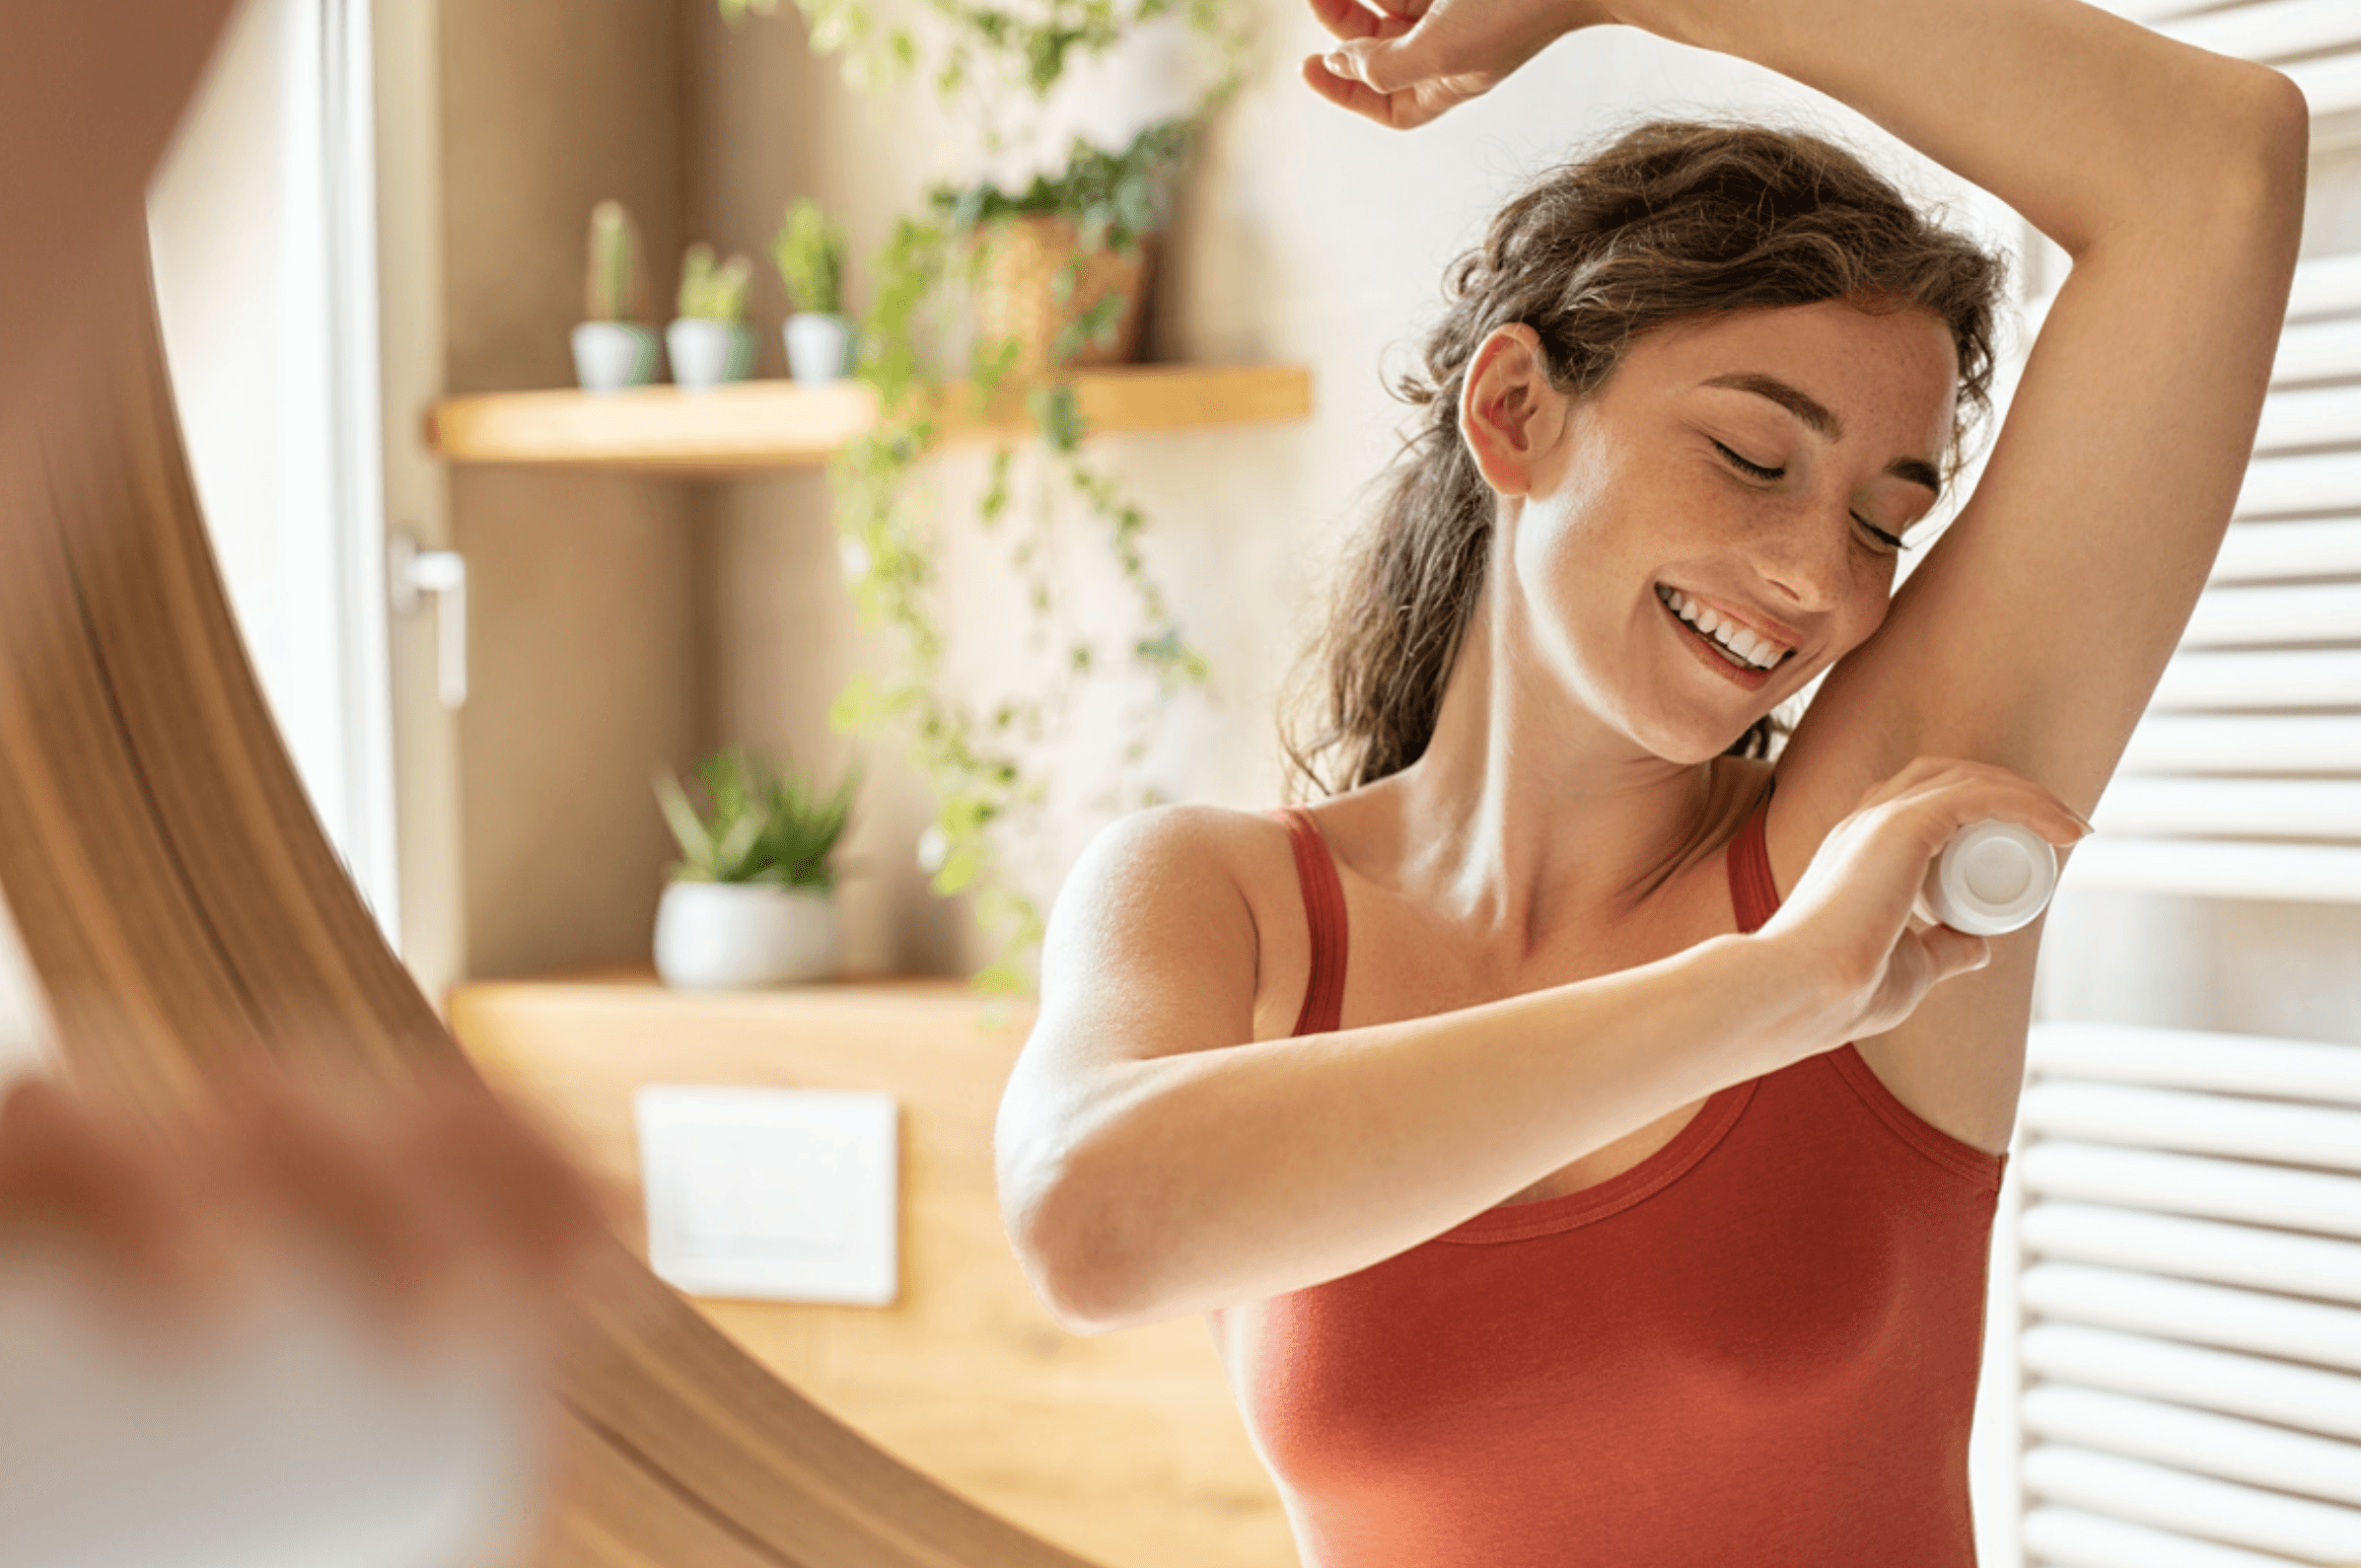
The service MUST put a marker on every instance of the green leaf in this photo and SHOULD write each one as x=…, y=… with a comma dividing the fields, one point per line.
x=1003, y=980
x=958, y=868
x=995, y=496
x=857, y=708
x=1059, y=412
x=681, y=818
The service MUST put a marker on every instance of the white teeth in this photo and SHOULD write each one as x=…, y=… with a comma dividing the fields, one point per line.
x=1755, y=650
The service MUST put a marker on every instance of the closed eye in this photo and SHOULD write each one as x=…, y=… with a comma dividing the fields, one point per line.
x=1758, y=471
x=1754, y=468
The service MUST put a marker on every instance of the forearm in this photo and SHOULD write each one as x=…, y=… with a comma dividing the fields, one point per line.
x=2082, y=122
x=1237, y=1174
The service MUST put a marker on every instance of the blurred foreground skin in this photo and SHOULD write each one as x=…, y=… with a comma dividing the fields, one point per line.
x=292, y=1328
x=311, y=1323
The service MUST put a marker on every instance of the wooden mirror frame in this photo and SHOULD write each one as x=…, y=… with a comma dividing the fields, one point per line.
x=176, y=896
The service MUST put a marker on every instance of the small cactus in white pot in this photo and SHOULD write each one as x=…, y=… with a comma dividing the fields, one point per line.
x=753, y=900
x=710, y=342
x=612, y=348
x=810, y=253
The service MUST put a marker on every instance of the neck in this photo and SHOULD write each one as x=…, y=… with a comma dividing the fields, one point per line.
x=1526, y=818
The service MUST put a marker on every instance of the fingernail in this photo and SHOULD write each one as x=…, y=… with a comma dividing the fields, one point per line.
x=1338, y=63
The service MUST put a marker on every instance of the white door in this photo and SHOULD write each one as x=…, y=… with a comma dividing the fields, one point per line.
x=264, y=227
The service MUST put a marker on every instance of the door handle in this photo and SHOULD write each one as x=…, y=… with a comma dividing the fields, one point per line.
x=411, y=575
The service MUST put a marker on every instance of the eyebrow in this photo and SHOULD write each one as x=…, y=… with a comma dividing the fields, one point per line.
x=1821, y=422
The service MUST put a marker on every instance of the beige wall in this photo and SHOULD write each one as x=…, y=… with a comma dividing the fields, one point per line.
x=581, y=658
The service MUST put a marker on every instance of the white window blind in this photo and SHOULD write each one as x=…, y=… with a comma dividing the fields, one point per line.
x=2183, y=1208
x=2244, y=780
x=2317, y=42
x=2191, y=1294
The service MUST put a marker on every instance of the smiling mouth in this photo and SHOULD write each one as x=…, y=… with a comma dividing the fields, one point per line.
x=1745, y=650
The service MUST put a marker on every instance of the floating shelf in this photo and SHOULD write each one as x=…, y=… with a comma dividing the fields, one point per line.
x=751, y=426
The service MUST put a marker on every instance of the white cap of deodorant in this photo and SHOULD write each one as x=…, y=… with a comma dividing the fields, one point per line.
x=1993, y=878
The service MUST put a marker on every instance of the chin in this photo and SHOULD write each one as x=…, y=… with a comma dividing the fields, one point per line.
x=1687, y=744
x=1687, y=749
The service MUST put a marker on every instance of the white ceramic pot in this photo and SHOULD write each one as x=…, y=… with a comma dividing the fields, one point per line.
x=611, y=355
x=708, y=353
x=818, y=348
x=725, y=934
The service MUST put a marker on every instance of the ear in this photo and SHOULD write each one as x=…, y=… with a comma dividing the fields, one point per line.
x=1510, y=416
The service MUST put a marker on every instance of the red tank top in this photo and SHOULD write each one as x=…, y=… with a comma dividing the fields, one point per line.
x=1758, y=1347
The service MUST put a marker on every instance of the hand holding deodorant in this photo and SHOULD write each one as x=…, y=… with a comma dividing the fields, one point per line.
x=1993, y=878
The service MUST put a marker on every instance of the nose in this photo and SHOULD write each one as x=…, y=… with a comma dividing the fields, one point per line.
x=1803, y=561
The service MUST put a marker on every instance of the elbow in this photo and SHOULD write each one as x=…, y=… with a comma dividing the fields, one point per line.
x=1059, y=1227
x=2274, y=146
x=2232, y=195
x=2283, y=122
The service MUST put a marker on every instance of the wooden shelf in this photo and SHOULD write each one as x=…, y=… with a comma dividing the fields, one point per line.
x=1125, y=1447
x=752, y=426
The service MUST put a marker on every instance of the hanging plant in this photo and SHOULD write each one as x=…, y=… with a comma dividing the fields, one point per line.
x=1088, y=226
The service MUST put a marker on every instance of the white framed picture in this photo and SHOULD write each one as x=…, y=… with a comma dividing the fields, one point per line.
x=771, y=1194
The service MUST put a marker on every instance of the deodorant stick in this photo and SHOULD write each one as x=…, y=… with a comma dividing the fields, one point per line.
x=1994, y=877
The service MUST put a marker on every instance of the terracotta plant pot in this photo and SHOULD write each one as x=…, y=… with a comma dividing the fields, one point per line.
x=1016, y=295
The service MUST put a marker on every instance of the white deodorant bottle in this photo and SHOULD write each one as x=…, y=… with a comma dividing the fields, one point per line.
x=1994, y=877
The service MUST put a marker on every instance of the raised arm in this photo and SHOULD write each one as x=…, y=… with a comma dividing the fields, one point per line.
x=2038, y=627
x=2035, y=631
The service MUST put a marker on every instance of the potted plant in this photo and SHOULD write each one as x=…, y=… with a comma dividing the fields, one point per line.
x=1064, y=288
x=611, y=349
x=1066, y=264
x=710, y=342
x=810, y=253
x=752, y=902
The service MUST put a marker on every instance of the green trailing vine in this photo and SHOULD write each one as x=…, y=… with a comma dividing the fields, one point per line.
x=975, y=760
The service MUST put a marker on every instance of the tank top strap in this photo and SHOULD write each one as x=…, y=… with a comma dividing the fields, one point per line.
x=1753, y=893
x=1324, y=904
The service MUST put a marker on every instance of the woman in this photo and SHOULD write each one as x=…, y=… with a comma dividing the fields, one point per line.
x=1573, y=1140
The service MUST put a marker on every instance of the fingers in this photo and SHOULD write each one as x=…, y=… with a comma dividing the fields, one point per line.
x=350, y=1189
x=534, y=1207
x=1380, y=69
x=439, y=1205
x=1941, y=795
x=1350, y=19
x=66, y=1175
x=1332, y=77
x=1952, y=951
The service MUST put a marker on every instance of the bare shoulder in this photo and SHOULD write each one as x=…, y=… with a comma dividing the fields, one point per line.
x=1172, y=862
x=1188, y=899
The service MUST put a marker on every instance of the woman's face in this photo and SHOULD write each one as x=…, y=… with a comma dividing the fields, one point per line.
x=1747, y=473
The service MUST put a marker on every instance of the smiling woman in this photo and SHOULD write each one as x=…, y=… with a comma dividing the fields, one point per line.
x=1700, y=225
x=1576, y=1145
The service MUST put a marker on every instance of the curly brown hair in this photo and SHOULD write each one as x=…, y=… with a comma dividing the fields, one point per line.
x=1668, y=220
